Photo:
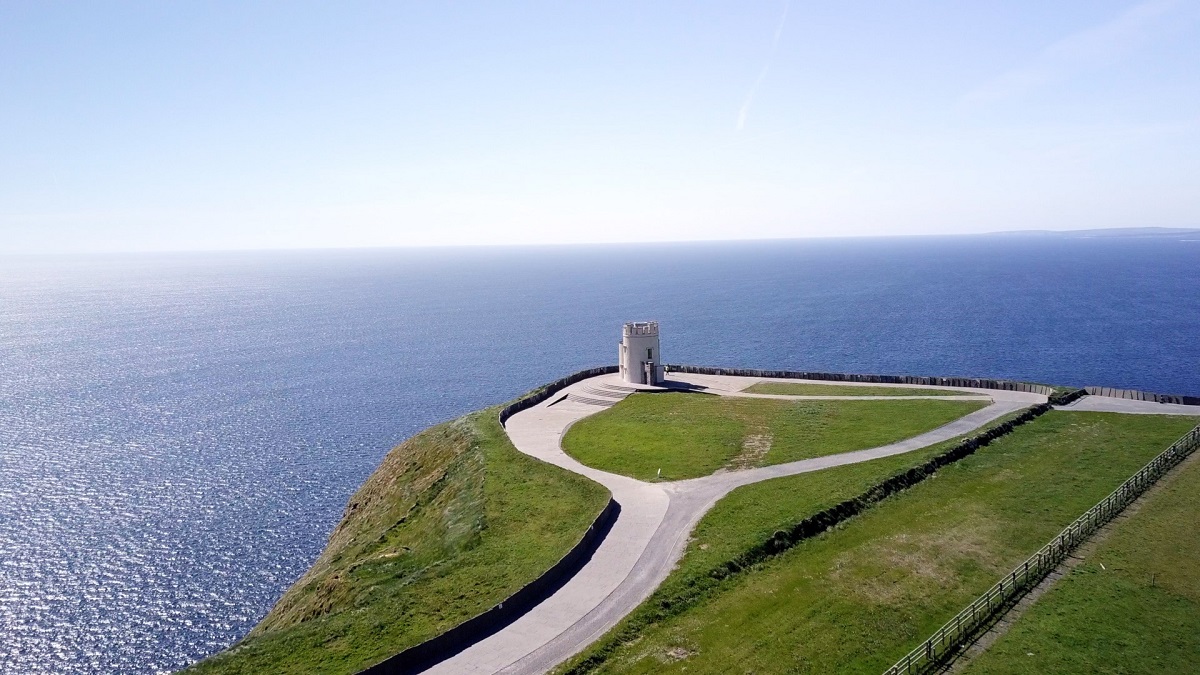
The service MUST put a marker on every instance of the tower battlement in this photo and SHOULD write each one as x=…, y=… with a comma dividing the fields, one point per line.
x=638, y=328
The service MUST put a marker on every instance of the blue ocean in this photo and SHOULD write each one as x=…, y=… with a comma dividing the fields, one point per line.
x=179, y=433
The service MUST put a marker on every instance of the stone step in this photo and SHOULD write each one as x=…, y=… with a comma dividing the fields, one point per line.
x=603, y=393
x=603, y=403
x=616, y=387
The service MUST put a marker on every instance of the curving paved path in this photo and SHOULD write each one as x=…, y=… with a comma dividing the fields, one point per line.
x=1129, y=407
x=656, y=518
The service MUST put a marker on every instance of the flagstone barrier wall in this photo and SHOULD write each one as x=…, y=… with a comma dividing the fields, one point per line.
x=1135, y=395
x=1056, y=395
x=435, y=650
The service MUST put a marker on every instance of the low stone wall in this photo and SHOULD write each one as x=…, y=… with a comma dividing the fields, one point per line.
x=1136, y=395
x=978, y=383
x=542, y=393
x=1067, y=397
x=421, y=657
x=1057, y=398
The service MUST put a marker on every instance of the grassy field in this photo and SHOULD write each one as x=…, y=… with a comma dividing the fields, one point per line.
x=689, y=435
x=805, y=389
x=750, y=515
x=1133, y=605
x=859, y=597
x=453, y=521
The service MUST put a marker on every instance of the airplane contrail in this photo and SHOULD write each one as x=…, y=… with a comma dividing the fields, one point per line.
x=745, y=109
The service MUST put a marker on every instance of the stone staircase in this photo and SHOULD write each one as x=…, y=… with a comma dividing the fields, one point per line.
x=603, y=395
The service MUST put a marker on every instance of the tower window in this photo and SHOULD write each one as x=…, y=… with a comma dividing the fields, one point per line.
x=650, y=354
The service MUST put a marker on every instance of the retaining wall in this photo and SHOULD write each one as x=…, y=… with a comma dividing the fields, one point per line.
x=1058, y=398
x=1135, y=395
x=420, y=657
x=978, y=383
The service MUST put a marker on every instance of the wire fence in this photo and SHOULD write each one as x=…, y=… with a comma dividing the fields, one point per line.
x=963, y=627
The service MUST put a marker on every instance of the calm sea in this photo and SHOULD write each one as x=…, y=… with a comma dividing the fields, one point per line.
x=179, y=433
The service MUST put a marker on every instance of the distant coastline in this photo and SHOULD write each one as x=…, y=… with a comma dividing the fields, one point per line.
x=1116, y=232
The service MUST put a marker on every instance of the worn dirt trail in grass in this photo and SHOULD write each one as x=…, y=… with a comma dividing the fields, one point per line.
x=755, y=447
x=651, y=532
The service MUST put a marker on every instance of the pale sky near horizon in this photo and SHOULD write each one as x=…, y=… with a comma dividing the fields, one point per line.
x=211, y=125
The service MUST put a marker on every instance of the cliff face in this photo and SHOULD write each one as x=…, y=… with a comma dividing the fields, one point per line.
x=453, y=521
x=422, y=507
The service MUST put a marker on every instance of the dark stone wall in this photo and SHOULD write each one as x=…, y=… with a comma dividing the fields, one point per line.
x=979, y=383
x=420, y=657
x=1136, y=395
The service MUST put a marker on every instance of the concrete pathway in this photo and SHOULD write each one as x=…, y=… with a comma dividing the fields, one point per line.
x=1123, y=405
x=650, y=535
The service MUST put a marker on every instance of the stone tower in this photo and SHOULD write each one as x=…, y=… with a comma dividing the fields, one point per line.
x=641, y=361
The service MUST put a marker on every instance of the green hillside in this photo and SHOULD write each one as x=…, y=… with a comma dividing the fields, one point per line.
x=453, y=521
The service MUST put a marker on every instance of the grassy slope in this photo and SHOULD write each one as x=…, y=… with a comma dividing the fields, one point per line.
x=689, y=435
x=1132, y=607
x=805, y=389
x=453, y=521
x=746, y=517
x=751, y=514
x=857, y=598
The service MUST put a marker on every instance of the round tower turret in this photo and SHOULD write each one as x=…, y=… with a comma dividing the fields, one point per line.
x=640, y=356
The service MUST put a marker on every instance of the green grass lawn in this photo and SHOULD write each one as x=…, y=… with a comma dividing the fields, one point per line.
x=805, y=389
x=452, y=522
x=689, y=435
x=750, y=515
x=1133, y=606
x=857, y=598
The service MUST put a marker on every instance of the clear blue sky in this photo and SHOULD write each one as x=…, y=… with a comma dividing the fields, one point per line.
x=209, y=125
